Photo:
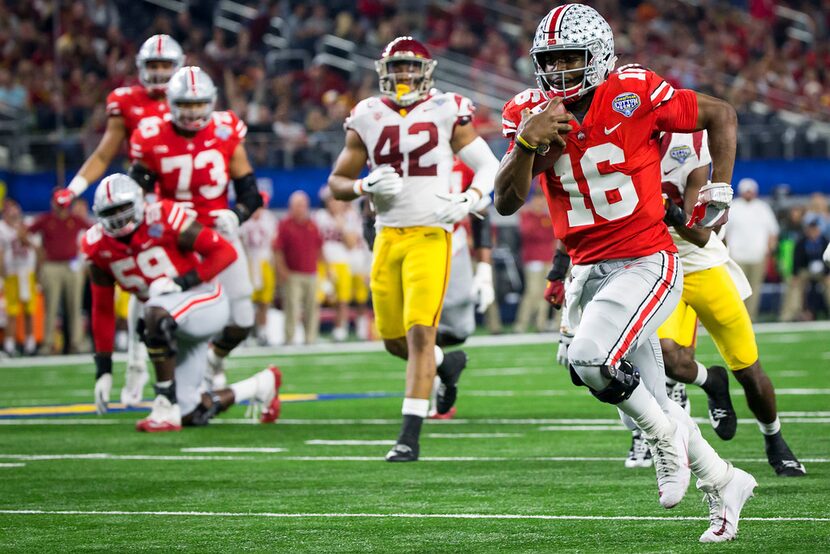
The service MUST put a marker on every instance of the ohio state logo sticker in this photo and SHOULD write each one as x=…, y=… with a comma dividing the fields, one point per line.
x=625, y=103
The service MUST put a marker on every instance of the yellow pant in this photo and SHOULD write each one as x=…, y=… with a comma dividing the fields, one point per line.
x=711, y=295
x=348, y=287
x=410, y=271
x=265, y=294
x=14, y=305
x=122, y=303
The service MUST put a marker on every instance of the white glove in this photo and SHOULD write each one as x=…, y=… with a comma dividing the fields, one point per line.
x=103, y=387
x=713, y=202
x=383, y=181
x=226, y=222
x=483, y=290
x=826, y=255
x=163, y=285
x=458, y=206
x=562, y=351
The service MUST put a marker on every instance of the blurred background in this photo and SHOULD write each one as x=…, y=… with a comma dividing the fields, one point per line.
x=293, y=70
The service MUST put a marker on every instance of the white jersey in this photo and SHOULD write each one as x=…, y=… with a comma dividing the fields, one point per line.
x=258, y=235
x=333, y=229
x=416, y=142
x=18, y=258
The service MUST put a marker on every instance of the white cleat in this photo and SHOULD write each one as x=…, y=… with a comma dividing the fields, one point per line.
x=215, y=378
x=725, y=505
x=671, y=460
x=103, y=387
x=132, y=393
x=163, y=417
x=638, y=455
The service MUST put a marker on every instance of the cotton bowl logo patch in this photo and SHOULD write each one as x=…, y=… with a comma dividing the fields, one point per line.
x=155, y=230
x=680, y=153
x=625, y=103
x=223, y=132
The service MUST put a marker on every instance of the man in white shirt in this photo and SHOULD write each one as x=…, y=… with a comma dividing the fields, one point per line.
x=751, y=234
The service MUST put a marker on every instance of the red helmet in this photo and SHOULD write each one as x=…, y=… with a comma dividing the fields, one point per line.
x=398, y=80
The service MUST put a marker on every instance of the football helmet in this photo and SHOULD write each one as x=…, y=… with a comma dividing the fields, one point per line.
x=405, y=87
x=119, y=205
x=573, y=27
x=158, y=48
x=191, y=95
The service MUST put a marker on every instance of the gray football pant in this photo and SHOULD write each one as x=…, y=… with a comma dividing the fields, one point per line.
x=236, y=282
x=458, y=313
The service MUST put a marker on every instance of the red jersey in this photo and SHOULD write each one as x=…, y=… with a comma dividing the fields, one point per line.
x=138, y=108
x=604, y=192
x=462, y=179
x=196, y=169
x=152, y=250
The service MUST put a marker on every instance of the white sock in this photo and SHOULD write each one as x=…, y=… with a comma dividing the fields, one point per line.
x=245, y=389
x=770, y=428
x=646, y=413
x=702, y=374
x=670, y=382
x=704, y=462
x=415, y=406
x=164, y=384
x=8, y=344
x=439, y=356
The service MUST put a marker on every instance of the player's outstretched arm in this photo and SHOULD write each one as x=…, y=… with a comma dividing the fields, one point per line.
x=694, y=182
x=476, y=154
x=215, y=251
x=101, y=158
x=719, y=118
x=351, y=161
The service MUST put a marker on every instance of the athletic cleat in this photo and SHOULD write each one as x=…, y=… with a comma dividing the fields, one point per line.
x=676, y=391
x=781, y=458
x=163, y=417
x=451, y=368
x=721, y=413
x=103, y=386
x=638, y=455
x=448, y=415
x=671, y=461
x=402, y=453
x=725, y=505
x=270, y=394
x=132, y=392
x=215, y=378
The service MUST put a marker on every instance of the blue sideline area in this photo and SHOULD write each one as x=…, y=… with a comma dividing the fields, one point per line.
x=803, y=176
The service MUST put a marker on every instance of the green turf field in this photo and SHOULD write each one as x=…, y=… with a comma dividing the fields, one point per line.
x=531, y=464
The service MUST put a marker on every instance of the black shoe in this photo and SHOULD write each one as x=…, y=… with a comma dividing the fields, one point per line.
x=721, y=413
x=449, y=372
x=402, y=453
x=781, y=458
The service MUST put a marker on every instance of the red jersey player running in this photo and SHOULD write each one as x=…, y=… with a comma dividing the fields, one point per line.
x=159, y=253
x=603, y=187
x=191, y=157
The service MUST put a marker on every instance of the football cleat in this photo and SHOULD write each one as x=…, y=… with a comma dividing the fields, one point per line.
x=781, y=458
x=268, y=394
x=133, y=390
x=215, y=378
x=402, y=453
x=725, y=505
x=638, y=455
x=163, y=417
x=451, y=368
x=449, y=415
x=103, y=387
x=676, y=392
x=671, y=461
x=721, y=413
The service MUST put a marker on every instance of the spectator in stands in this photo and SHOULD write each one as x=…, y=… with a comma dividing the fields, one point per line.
x=813, y=276
x=751, y=235
x=298, y=250
x=12, y=93
x=536, y=232
x=61, y=273
x=17, y=269
x=792, y=222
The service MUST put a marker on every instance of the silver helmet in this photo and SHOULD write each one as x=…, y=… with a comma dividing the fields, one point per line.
x=158, y=48
x=119, y=205
x=573, y=27
x=191, y=95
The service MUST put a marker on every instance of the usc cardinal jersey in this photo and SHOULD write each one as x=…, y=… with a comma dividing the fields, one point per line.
x=415, y=141
x=152, y=250
x=193, y=170
x=138, y=108
x=604, y=191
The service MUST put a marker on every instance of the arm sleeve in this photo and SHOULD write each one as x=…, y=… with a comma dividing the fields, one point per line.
x=248, y=199
x=103, y=317
x=482, y=231
x=216, y=252
x=478, y=157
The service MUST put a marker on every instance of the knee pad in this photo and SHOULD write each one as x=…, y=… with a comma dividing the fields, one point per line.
x=160, y=338
x=202, y=415
x=446, y=338
x=585, y=352
x=231, y=337
x=624, y=379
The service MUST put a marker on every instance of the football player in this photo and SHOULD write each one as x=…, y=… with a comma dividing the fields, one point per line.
x=129, y=108
x=160, y=253
x=191, y=157
x=714, y=288
x=408, y=136
x=18, y=261
x=258, y=235
x=603, y=185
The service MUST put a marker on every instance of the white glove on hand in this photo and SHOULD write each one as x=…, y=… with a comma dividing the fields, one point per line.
x=483, y=290
x=383, y=181
x=826, y=255
x=458, y=206
x=713, y=202
x=103, y=387
x=163, y=285
x=562, y=351
x=226, y=222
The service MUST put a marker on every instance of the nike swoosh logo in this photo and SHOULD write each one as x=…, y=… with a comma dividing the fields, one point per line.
x=209, y=142
x=669, y=171
x=612, y=129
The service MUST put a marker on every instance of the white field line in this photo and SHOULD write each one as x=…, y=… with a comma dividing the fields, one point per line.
x=360, y=442
x=472, y=435
x=120, y=457
x=231, y=450
x=13, y=464
x=349, y=442
x=396, y=516
x=583, y=428
x=361, y=347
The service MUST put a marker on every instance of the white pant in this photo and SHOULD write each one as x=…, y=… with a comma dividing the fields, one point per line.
x=236, y=281
x=458, y=313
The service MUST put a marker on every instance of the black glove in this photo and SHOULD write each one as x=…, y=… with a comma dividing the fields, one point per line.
x=675, y=216
x=561, y=263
